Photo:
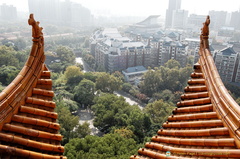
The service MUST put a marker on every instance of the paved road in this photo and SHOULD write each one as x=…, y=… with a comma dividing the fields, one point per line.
x=86, y=116
x=129, y=100
x=86, y=68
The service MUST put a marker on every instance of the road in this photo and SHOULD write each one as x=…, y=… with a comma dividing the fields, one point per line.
x=86, y=68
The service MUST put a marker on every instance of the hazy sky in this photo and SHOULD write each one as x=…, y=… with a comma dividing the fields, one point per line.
x=143, y=7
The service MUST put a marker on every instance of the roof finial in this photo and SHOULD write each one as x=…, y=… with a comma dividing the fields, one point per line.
x=205, y=32
x=36, y=30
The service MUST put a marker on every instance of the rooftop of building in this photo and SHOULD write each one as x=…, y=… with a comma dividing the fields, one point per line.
x=135, y=69
x=228, y=51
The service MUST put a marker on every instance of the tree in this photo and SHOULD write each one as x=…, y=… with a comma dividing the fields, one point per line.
x=73, y=76
x=126, y=87
x=57, y=67
x=67, y=121
x=166, y=95
x=84, y=92
x=72, y=71
x=65, y=55
x=110, y=146
x=108, y=83
x=184, y=75
x=89, y=59
x=7, y=74
x=150, y=84
x=1, y=87
x=172, y=64
x=82, y=130
x=19, y=44
x=112, y=112
x=92, y=76
x=158, y=111
x=119, y=75
x=7, y=56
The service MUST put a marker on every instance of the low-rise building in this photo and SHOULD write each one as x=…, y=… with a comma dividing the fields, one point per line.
x=134, y=75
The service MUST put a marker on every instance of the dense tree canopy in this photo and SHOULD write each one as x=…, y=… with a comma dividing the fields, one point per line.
x=73, y=75
x=67, y=121
x=171, y=77
x=113, y=112
x=158, y=111
x=110, y=146
x=84, y=92
x=65, y=54
x=108, y=83
x=7, y=74
x=7, y=56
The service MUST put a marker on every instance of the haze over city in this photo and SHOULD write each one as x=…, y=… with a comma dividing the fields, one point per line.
x=142, y=8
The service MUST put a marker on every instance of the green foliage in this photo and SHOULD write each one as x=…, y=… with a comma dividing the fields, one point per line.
x=113, y=112
x=67, y=121
x=1, y=87
x=7, y=56
x=165, y=95
x=234, y=89
x=73, y=76
x=124, y=132
x=126, y=87
x=62, y=58
x=110, y=146
x=89, y=59
x=65, y=54
x=7, y=74
x=152, y=80
x=119, y=75
x=84, y=92
x=108, y=83
x=172, y=64
x=57, y=67
x=158, y=111
x=72, y=71
x=92, y=76
x=19, y=44
x=82, y=130
x=170, y=77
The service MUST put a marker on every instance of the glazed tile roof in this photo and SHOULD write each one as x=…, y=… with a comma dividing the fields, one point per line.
x=28, y=127
x=205, y=124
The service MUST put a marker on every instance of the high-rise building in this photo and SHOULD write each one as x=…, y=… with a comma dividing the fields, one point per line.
x=114, y=52
x=218, y=19
x=179, y=19
x=235, y=20
x=172, y=50
x=227, y=61
x=45, y=10
x=173, y=5
x=8, y=12
x=60, y=12
x=196, y=20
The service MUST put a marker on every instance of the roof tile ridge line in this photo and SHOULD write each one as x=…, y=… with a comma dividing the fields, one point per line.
x=28, y=153
x=31, y=143
x=226, y=107
x=15, y=85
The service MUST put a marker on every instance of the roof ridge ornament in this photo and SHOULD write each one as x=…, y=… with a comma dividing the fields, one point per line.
x=205, y=33
x=36, y=29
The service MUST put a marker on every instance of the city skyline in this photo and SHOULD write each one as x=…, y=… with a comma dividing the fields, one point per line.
x=142, y=8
